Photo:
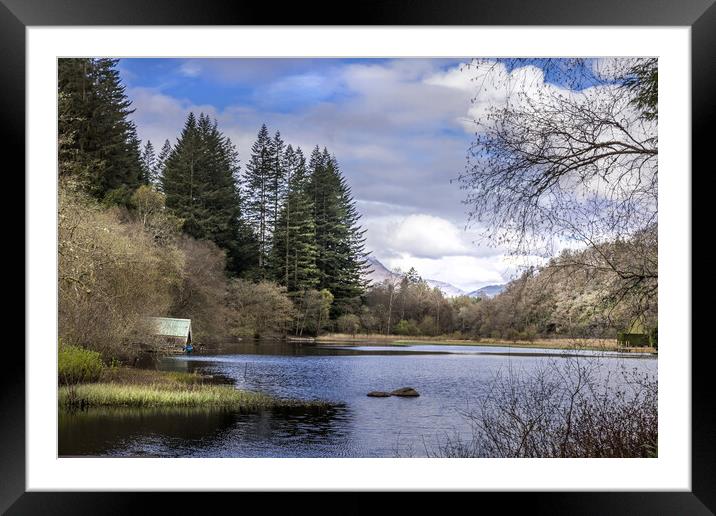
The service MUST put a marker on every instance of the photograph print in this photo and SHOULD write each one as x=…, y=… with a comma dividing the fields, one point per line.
x=357, y=257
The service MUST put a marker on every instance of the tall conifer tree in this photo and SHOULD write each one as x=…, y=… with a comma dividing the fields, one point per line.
x=98, y=142
x=200, y=183
x=149, y=164
x=339, y=239
x=257, y=182
x=161, y=161
x=294, y=249
x=278, y=184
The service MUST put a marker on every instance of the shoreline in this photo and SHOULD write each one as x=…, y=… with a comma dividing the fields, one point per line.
x=579, y=344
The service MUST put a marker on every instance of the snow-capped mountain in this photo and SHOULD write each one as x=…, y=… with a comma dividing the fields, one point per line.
x=487, y=291
x=447, y=289
x=379, y=273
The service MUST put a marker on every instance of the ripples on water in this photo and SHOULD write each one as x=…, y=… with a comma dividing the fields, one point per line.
x=449, y=379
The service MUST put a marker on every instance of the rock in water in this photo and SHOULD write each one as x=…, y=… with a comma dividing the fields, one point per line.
x=379, y=394
x=405, y=392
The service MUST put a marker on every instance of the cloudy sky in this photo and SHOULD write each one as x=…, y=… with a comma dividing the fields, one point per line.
x=400, y=129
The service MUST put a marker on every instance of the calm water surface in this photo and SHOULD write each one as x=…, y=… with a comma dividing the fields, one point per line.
x=449, y=379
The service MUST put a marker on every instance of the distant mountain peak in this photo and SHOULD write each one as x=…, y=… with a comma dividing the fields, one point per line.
x=487, y=291
x=379, y=273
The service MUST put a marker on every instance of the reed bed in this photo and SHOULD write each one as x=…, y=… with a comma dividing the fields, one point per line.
x=171, y=391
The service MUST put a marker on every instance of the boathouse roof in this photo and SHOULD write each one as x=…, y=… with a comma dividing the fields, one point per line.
x=169, y=327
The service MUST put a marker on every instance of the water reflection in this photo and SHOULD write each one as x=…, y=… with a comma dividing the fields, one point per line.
x=192, y=432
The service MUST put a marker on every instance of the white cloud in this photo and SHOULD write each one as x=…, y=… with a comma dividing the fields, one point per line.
x=420, y=235
x=387, y=127
x=159, y=116
x=190, y=69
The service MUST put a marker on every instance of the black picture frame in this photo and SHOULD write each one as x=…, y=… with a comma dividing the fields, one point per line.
x=700, y=15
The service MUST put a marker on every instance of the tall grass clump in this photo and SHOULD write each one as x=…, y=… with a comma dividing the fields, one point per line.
x=158, y=395
x=78, y=365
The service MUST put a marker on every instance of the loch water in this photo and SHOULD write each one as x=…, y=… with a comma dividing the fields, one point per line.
x=449, y=379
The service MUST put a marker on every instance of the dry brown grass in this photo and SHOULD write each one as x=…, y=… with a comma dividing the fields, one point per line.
x=553, y=343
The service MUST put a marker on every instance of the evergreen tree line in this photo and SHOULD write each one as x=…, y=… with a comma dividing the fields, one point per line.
x=283, y=218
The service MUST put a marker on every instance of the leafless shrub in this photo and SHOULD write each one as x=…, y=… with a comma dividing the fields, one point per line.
x=258, y=309
x=562, y=410
x=111, y=275
x=200, y=295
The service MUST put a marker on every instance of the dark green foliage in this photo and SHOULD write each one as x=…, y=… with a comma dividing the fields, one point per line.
x=339, y=239
x=161, y=161
x=406, y=328
x=149, y=164
x=643, y=82
x=98, y=144
x=257, y=184
x=294, y=248
x=654, y=337
x=633, y=340
x=199, y=181
x=305, y=221
x=278, y=184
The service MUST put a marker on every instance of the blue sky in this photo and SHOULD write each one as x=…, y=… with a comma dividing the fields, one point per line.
x=400, y=129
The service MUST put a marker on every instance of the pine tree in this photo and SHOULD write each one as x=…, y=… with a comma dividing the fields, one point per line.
x=323, y=190
x=278, y=184
x=180, y=176
x=161, y=160
x=98, y=142
x=353, y=254
x=200, y=184
x=73, y=114
x=149, y=164
x=340, y=241
x=294, y=248
x=256, y=184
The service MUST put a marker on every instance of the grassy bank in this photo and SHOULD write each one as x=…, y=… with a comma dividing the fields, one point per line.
x=126, y=387
x=555, y=343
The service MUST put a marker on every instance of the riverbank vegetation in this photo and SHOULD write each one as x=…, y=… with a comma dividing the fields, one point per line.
x=78, y=365
x=558, y=300
x=119, y=386
x=93, y=395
